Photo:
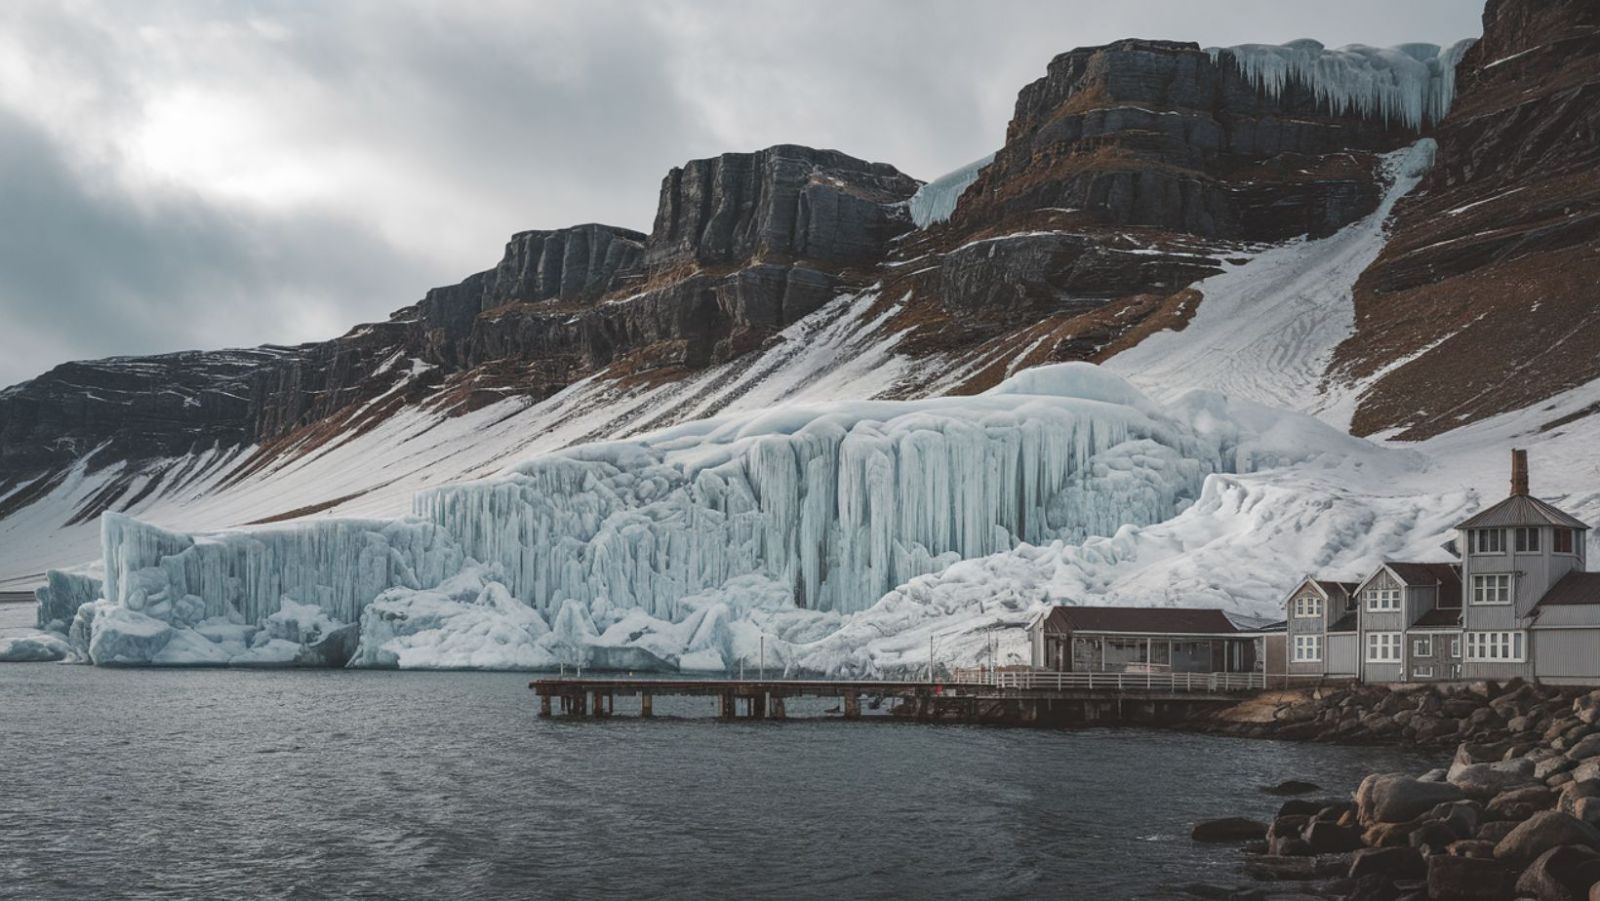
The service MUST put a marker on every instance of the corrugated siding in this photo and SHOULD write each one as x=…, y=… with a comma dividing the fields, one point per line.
x=1570, y=615
x=1277, y=655
x=1382, y=672
x=1566, y=653
x=1340, y=653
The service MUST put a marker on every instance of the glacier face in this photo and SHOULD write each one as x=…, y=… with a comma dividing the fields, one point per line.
x=1412, y=84
x=802, y=536
x=837, y=502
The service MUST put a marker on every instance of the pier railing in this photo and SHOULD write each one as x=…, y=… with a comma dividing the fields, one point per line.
x=1036, y=680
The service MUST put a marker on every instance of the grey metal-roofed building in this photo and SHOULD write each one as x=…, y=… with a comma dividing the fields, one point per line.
x=1514, y=554
x=1321, y=631
x=1072, y=638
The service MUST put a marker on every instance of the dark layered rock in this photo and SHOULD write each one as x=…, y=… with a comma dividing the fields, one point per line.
x=1492, y=261
x=1160, y=134
x=782, y=203
x=1130, y=172
x=566, y=266
x=745, y=244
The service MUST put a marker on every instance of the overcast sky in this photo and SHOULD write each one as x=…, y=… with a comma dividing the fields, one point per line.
x=209, y=174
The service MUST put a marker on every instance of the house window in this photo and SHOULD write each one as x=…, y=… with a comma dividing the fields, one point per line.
x=1383, y=647
x=1491, y=589
x=1422, y=647
x=1563, y=541
x=1455, y=646
x=1307, y=648
x=1422, y=672
x=1380, y=599
x=1499, y=647
x=1308, y=605
x=1527, y=540
x=1488, y=541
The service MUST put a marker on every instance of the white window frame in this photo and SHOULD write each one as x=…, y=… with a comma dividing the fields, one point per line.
x=1422, y=671
x=1532, y=542
x=1497, y=646
x=1455, y=646
x=1383, y=600
x=1307, y=649
x=1384, y=647
x=1481, y=593
x=1422, y=646
x=1477, y=546
x=1307, y=606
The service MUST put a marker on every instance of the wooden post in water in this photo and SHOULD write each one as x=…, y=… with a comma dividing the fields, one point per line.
x=544, y=705
x=599, y=704
x=852, y=705
x=646, y=705
x=776, y=711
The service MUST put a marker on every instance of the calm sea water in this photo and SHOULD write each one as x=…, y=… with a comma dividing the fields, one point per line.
x=311, y=784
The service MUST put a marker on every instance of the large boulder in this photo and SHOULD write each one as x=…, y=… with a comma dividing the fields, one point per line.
x=1468, y=879
x=1395, y=863
x=1521, y=803
x=1483, y=781
x=1543, y=831
x=1397, y=798
x=1586, y=747
x=1561, y=874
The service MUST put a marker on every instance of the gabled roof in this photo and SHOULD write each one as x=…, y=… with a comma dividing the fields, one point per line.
x=1332, y=591
x=1439, y=617
x=1444, y=575
x=1174, y=620
x=1336, y=589
x=1522, y=510
x=1574, y=588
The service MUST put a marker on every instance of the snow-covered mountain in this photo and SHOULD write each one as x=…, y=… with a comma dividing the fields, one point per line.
x=1189, y=219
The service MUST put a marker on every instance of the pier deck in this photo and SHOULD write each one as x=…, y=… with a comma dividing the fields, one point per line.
x=1015, y=697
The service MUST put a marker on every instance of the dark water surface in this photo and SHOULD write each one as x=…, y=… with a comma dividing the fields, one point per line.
x=308, y=784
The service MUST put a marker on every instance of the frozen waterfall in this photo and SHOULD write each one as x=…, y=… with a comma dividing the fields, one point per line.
x=839, y=502
x=1412, y=84
x=936, y=200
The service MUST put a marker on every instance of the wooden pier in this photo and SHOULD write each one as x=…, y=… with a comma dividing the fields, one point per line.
x=1043, y=698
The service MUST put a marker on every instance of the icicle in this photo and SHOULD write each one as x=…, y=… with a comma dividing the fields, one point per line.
x=1412, y=84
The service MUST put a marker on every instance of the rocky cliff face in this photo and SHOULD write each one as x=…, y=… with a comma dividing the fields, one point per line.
x=1130, y=172
x=1166, y=135
x=1483, y=300
x=744, y=244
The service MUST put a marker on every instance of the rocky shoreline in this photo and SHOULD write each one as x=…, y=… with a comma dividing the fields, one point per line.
x=1514, y=814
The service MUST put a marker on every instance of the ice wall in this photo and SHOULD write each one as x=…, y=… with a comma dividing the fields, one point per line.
x=839, y=502
x=337, y=564
x=283, y=595
x=59, y=599
x=936, y=200
x=1412, y=84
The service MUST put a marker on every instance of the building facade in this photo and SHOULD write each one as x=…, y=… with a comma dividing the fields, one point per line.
x=1077, y=639
x=1519, y=602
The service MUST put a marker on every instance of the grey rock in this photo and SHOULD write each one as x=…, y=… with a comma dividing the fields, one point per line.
x=1396, y=798
x=1543, y=831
